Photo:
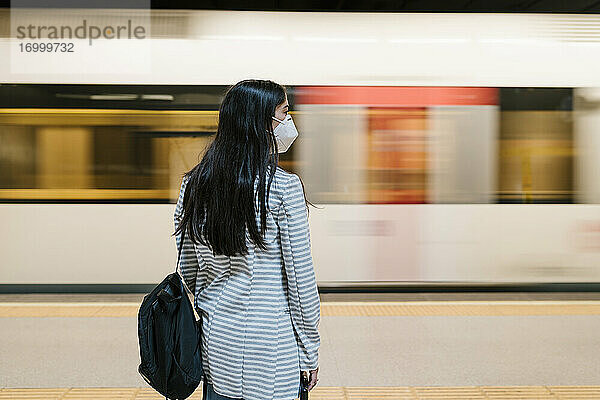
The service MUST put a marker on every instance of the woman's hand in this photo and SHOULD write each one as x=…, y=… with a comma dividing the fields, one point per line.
x=312, y=378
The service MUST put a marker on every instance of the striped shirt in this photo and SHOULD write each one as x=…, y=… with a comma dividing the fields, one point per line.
x=260, y=311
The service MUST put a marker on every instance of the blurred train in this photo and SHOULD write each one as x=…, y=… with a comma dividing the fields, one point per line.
x=439, y=149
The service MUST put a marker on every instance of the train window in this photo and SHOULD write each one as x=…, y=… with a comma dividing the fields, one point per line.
x=17, y=157
x=99, y=155
x=536, y=146
x=396, y=155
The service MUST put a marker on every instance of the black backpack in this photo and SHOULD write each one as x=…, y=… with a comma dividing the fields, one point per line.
x=170, y=338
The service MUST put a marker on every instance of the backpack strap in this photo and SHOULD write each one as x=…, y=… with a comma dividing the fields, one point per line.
x=191, y=296
x=180, y=249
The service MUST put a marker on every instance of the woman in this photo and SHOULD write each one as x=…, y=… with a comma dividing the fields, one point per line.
x=246, y=253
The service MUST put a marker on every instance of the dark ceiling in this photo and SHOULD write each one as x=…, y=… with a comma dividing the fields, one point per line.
x=562, y=6
x=492, y=6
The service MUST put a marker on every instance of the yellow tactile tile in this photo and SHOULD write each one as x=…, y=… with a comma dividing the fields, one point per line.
x=45, y=394
x=372, y=393
x=332, y=309
x=101, y=393
x=328, y=393
x=460, y=308
x=456, y=392
x=68, y=309
x=333, y=393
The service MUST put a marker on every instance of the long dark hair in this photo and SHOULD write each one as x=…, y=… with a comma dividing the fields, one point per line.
x=219, y=202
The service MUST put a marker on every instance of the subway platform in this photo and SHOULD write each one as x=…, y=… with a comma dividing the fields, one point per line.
x=374, y=346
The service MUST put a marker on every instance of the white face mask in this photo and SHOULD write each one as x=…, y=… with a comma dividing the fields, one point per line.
x=285, y=133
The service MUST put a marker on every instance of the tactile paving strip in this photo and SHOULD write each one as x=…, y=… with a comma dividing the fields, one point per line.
x=333, y=393
x=460, y=308
x=332, y=309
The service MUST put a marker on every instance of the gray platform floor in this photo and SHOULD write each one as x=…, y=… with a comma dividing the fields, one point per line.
x=355, y=351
